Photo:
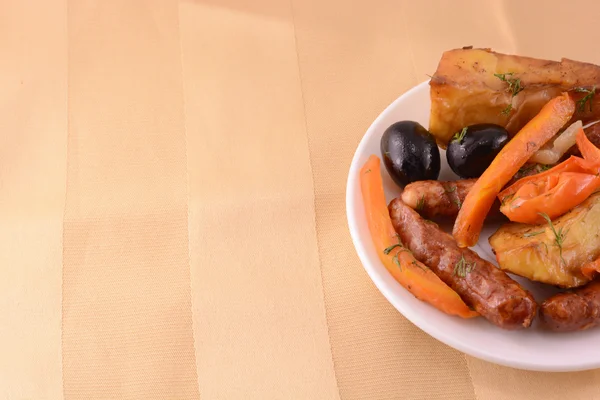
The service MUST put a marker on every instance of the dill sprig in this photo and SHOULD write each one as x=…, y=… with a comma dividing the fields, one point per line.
x=559, y=236
x=457, y=202
x=462, y=268
x=452, y=189
x=421, y=203
x=587, y=99
x=532, y=234
x=506, y=199
x=449, y=189
x=514, y=87
x=527, y=168
x=507, y=110
x=400, y=247
x=459, y=136
x=514, y=84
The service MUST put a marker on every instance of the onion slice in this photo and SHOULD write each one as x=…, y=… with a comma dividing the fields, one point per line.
x=553, y=151
x=590, y=124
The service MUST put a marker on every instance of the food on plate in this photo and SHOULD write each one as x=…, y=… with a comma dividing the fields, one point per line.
x=555, y=191
x=511, y=158
x=527, y=170
x=559, y=252
x=433, y=199
x=436, y=198
x=473, y=86
x=523, y=136
x=473, y=149
x=410, y=273
x=592, y=131
x=572, y=311
x=441, y=199
x=481, y=285
x=410, y=153
x=552, y=151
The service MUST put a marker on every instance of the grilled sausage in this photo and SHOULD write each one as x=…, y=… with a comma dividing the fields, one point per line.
x=573, y=311
x=480, y=284
x=436, y=198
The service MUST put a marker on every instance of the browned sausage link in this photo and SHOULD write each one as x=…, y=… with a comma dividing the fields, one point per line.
x=480, y=284
x=436, y=198
x=573, y=311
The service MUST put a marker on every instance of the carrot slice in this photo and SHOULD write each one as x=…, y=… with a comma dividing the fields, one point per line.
x=553, y=116
x=398, y=260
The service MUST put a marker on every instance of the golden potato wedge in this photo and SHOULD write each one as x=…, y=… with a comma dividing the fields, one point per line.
x=533, y=251
x=465, y=91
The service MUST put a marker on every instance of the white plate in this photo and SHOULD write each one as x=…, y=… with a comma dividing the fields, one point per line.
x=533, y=348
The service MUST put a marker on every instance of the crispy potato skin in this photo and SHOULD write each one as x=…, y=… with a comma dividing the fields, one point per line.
x=464, y=90
x=531, y=250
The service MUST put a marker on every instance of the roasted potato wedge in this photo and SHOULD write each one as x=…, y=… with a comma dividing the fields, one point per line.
x=464, y=90
x=552, y=254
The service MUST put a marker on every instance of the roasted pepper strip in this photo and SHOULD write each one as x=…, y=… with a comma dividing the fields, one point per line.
x=553, y=116
x=589, y=269
x=555, y=191
x=398, y=260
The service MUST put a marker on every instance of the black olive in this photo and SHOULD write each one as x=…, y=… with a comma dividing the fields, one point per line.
x=472, y=150
x=410, y=153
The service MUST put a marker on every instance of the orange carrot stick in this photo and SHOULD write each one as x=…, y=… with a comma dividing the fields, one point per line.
x=553, y=116
x=398, y=260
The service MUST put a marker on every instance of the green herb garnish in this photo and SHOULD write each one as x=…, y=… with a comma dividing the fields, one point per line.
x=449, y=189
x=514, y=84
x=420, y=265
x=400, y=247
x=514, y=87
x=507, y=110
x=388, y=250
x=585, y=99
x=526, y=168
x=395, y=257
x=506, y=199
x=421, y=203
x=532, y=234
x=462, y=268
x=459, y=136
x=537, y=167
x=559, y=236
x=512, y=201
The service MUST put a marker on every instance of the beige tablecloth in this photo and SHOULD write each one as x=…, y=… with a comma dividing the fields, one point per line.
x=172, y=175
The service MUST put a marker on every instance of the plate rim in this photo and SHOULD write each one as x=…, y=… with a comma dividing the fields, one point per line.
x=387, y=290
